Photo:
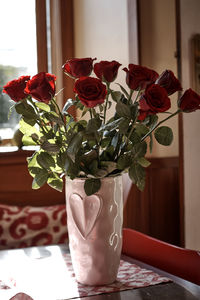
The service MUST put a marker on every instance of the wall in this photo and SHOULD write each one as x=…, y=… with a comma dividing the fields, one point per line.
x=101, y=31
x=157, y=51
x=190, y=24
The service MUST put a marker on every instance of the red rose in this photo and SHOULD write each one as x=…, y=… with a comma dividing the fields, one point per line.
x=15, y=88
x=107, y=70
x=190, y=101
x=91, y=91
x=139, y=77
x=41, y=87
x=78, y=67
x=169, y=82
x=142, y=115
x=155, y=100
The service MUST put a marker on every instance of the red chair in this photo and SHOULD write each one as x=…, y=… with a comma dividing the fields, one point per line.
x=178, y=261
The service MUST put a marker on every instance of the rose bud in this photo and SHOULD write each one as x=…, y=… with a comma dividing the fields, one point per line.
x=189, y=101
x=91, y=91
x=15, y=88
x=78, y=67
x=138, y=77
x=155, y=100
x=41, y=87
x=168, y=81
x=107, y=70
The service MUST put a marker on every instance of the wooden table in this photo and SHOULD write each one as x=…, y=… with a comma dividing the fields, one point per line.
x=44, y=271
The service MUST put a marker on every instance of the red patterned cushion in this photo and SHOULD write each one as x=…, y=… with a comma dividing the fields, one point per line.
x=32, y=226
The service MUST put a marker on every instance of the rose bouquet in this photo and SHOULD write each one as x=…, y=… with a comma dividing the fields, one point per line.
x=97, y=146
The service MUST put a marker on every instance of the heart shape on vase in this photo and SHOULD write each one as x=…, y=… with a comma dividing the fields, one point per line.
x=85, y=211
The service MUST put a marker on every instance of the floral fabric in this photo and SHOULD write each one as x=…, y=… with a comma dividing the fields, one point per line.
x=32, y=226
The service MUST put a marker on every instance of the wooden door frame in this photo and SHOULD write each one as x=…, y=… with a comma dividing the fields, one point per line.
x=180, y=127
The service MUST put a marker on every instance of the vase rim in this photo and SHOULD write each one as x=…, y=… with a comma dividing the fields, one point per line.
x=67, y=178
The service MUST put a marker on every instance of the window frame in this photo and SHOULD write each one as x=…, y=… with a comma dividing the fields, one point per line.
x=62, y=44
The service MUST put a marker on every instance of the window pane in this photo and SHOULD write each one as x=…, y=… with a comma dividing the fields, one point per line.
x=18, y=54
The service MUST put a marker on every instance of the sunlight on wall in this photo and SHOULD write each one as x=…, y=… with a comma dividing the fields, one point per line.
x=101, y=31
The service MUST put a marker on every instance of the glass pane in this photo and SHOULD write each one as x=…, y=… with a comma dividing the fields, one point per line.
x=18, y=54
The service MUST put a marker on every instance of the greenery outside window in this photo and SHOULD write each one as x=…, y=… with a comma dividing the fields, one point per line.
x=18, y=55
x=41, y=39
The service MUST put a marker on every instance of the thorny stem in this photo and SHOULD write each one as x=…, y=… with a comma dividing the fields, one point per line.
x=138, y=94
x=59, y=111
x=131, y=131
x=133, y=123
x=130, y=96
x=41, y=125
x=152, y=129
x=90, y=110
x=106, y=104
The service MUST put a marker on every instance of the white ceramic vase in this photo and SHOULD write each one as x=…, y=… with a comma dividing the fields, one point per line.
x=95, y=230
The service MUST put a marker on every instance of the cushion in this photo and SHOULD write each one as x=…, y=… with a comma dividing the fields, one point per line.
x=32, y=226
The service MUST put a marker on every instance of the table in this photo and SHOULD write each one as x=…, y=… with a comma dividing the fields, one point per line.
x=44, y=271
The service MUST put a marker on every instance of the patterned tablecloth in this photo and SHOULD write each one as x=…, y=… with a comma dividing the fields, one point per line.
x=130, y=276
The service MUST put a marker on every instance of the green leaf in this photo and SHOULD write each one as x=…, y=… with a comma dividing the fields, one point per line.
x=109, y=166
x=123, y=110
x=164, y=135
x=75, y=145
x=72, y=168
x=134, y=138
x=27, y=129
x=43, y=106
x=124, y=125
x=124, y=161
x=153, y=120
x=93, y=167
x=25, y=109
x=134, y=111
x=61, y=158
x=105, y=142
x=40, y=179
x=53, y=113
x=141, y=130
x=123, y=90
x=45, y=160
x=101, y=108
x=52, y=117
x=30, y=122
x=55, y=182
x=116, y=95
x=137, y=175
x=115, y=139
x=143, y=162
x=93, y=125
x=35, y=137
x=28, y=141
x=112, y=125
x=35, y=186
x=34, y=170
x=139, y=150
x=89, y=156
x=49, y=147
x=32, y=161
x=92, y=185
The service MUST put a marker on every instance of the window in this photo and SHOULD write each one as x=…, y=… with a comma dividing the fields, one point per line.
x=39, y=37
x=18, y=55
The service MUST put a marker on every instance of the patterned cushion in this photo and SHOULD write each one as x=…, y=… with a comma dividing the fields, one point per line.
x=32, y=226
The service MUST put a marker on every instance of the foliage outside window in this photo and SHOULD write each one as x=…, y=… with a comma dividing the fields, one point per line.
x=17, y=54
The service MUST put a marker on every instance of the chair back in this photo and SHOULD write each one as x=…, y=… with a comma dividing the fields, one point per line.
x=178, y=261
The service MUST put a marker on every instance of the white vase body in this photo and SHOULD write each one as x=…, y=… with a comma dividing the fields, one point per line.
x=95, y=230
